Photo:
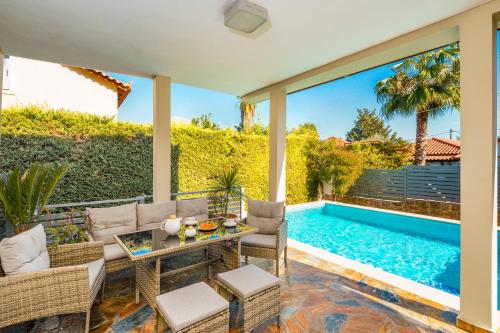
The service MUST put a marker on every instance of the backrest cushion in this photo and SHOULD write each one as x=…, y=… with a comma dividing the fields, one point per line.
x=150, y=216
x=25, y=252
x=197, y=208
x=110, y=221
x=265, y=215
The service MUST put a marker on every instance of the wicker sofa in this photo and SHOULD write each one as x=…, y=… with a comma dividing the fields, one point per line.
x=109, y=221
x=271, y=241
x=70, y=285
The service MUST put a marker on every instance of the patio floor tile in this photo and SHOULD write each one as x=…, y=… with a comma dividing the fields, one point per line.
x=316, y=297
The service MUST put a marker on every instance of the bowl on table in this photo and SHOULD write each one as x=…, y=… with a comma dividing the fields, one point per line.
x=230, y=223
x=207, y=226
x=190, y=221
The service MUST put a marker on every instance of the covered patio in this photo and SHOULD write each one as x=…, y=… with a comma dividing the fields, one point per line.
x=305, y=44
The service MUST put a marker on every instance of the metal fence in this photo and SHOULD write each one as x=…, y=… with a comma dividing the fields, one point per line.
x=75, y=212
x=433, y=182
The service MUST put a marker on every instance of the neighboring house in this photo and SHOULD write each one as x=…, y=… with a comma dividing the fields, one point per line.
x=441, y=151
x=33, y=82
x=338, y=141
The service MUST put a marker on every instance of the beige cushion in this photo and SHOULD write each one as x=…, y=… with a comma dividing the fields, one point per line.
x=197, y=208
x=110, y=221
x=265, y=215
x=150, y=216
x=113, y=252
x=259, y=240
x=25, y=252
x=94, y=268
x=248, y=280
x=186, y=306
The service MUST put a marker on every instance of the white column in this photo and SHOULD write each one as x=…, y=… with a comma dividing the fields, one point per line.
x=1, y=90
x=161, y=138
x=478, y=237
x=277, y=144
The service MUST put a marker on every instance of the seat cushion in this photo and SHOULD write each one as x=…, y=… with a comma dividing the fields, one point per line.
x=113, y=252
x=110, y=221
x=248, y=280
x=150, y=216
x=264, y=215
x=197, y=208
x=259, y=240
x=25, y=252
x=94, y=268
x=186, y=306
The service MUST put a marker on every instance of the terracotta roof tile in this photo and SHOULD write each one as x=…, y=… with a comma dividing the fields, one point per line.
x=439, y=149
x=339, y=141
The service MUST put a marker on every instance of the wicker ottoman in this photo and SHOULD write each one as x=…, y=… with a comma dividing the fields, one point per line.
x=258, y=291
x=195, y=308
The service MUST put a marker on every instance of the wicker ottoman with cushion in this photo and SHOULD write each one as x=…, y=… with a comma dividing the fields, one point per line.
x=195, y=308
x=257, y=290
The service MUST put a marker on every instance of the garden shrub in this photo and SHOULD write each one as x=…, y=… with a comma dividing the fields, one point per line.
x=110, y=160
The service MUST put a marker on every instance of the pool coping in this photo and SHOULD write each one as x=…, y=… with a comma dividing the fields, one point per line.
x=382, y=277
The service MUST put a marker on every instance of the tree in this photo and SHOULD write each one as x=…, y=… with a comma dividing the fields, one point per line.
x=425, y=86
x=393, y=153
x=368, y=125
x=339, y=167
x=204, y=121
x=247, y=112
x=305, y=128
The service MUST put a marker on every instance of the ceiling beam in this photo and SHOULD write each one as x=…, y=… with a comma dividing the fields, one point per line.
x=432, y=36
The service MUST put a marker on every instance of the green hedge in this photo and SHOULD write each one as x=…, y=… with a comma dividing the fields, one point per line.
x=110, y=159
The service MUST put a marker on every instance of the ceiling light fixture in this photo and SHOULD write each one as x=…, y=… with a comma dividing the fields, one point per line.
x=245, y=16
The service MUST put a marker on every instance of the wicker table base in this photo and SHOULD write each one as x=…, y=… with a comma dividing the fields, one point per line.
x=221, y=256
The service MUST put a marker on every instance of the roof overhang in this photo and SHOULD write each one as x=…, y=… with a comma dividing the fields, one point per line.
x=187, y=40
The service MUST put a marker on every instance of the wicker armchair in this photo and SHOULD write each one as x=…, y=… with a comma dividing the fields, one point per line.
x=62, y=289
x=269, y=252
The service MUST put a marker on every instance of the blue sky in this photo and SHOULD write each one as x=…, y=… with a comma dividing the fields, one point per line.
x=331, y=106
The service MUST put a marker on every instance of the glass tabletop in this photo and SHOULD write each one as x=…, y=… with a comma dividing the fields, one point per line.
x=146, y=242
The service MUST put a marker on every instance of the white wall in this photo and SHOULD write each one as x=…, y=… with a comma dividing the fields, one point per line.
x=55, y=86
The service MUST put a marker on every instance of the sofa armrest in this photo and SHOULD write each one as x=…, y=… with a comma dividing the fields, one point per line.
x=75, y=254
x=282, y=235
x=44, y=293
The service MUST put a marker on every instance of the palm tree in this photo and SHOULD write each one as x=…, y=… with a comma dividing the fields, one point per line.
x=426, y=85
x=23, y=195
x=247, y=112
x=225, y=185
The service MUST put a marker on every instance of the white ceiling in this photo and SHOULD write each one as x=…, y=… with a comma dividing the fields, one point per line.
x=187, y=39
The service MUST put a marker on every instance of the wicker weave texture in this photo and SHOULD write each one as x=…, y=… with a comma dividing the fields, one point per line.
x=218, y=323
x=75, y=254
x=257, y=308
x=267, y=253
x=229, y=252
x=118, y=265
x=55, y=291
x=148, y=282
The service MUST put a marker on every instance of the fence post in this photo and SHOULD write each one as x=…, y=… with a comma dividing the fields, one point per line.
x=405, y=184
x=242, y=201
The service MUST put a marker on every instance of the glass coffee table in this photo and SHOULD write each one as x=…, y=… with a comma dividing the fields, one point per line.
x=222, y=248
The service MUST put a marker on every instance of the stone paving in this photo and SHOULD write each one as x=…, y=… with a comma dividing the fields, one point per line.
x=316, y=297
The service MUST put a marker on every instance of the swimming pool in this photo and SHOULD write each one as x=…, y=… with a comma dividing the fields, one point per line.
x=423, y=250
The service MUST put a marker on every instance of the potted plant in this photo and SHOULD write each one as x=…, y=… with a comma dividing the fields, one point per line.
x=23, y=195
x=225, y=185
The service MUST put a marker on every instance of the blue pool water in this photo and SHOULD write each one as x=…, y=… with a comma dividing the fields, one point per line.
x=421, y=250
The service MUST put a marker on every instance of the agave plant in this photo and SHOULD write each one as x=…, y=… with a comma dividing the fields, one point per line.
x=225, y=185
x=23, y=196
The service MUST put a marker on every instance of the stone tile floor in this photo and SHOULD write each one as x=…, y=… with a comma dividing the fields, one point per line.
x=316, y=297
